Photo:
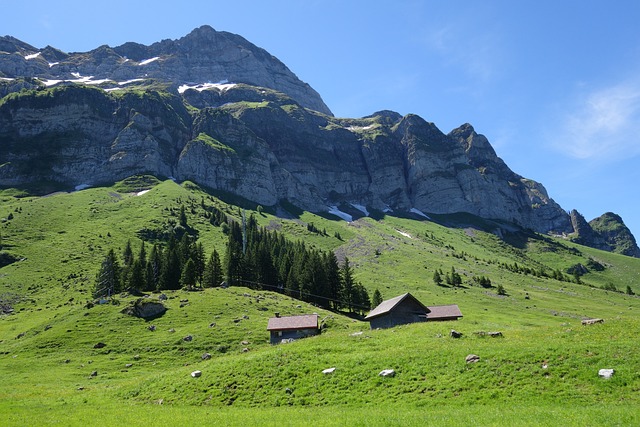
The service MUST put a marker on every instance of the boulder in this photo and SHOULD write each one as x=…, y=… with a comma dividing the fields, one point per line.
x=606, y=373
x=188, y=338
x=455, y=334
x=206, y=356
x=329, y=371
x=495, y=334
x=145, y=309
x=196, y=374
x=100, y=345
x=387, y=373
x=472, y=358
x=592, y=321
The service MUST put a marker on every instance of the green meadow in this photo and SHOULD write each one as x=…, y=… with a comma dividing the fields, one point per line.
x=543, y=370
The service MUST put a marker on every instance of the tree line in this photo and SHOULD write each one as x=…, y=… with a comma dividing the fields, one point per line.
x=253, y=257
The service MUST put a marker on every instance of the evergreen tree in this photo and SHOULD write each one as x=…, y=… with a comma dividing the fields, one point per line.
x=376, y=299
x=153, y=269
x=188, y=277
x=127, y=255
x=199, y=261
x=348, y=285
x=334, y=284
x=213, y=271
x=137, y=273
x=629, y=290
x=437, y=278
x=171, y=269
x=183, y=217
x=361, y=301
x=108, y=278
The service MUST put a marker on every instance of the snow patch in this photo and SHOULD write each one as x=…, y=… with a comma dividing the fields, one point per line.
x=6, y=79
x=149, y=61
x=50, y=82
x=405, y=234
x=337, y=212
x=82, y=187
x=52, y=64
x=361, y=208
x=357, y=128
x=419, y=212
x=387, y=209
x=223, y=86
x=126, y=82
x=32, y=56
x=140, y=193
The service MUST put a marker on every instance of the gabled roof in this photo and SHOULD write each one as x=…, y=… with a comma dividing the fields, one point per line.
x=390, y=304
x=307, y=321
x=443, y=312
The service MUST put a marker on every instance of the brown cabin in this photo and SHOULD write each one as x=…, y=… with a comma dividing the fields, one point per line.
x=292, y=327
x=405, y=309
x=396, y=311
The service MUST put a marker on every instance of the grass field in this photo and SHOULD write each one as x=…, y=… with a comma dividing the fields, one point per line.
x=543, y=371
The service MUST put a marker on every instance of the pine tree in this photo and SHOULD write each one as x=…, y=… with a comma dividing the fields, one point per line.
x=188, y=277
x=199, y=261
x=334, y=284
x=127, y=255
x=137, y=273
x=348, y=285
x=213, y=271
x=108, y=278
x=376, y=299
x=154, y=269
x=437, y=278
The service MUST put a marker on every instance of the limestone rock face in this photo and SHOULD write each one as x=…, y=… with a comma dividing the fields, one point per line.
x=203, y=56
x=105, y=115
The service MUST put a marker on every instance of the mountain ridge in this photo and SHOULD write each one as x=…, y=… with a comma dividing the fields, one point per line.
x=90, y=119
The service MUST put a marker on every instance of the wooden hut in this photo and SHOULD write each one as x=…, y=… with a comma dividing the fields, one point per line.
x=292, y=327
x=396, y=311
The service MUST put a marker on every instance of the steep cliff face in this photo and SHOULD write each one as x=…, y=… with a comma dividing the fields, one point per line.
x=202, y=56
x=268, y=139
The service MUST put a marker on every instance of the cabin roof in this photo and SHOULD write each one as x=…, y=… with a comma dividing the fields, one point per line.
x=388, y=305
x=443, y=311
x=282, y=323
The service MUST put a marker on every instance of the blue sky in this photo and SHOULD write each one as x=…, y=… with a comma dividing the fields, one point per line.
x=554, y=85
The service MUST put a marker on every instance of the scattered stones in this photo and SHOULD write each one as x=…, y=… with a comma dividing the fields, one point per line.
x=472, y=358
x=46, y=328
x=163, y=297
x=188, y=338
x=592, y=321
x=94, y=374
x=80, y=388
x=136, y=357
x=172, y=330
x=128, y=365
x=213, y=324
x=288, y=390
x=206, y=356
x=606, y=373
x=237, y=320
x=244, y=350
x=355, y=334
x=495, y=334
x=245, y=343
x=100, y=345
x=455, y=334
x=245, y=317
x=387, y=373
x=196, y=374
x=152, y=328
x=67, y=360
x=329, y=371
x=20, y=335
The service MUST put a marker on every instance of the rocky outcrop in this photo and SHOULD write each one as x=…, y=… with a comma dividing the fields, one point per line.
x=202, y=56
x=264, y=136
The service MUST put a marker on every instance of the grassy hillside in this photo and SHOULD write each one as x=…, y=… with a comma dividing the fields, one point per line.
x=544, y=368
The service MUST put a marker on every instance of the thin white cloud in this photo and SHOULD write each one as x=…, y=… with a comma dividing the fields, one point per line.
x=605, y=125
x=478, y=54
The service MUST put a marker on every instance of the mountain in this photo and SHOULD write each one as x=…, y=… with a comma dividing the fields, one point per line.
x=91, y=118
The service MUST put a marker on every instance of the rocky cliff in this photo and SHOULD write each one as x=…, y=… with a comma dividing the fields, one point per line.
x=263, y=135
